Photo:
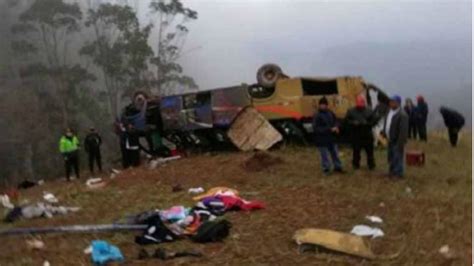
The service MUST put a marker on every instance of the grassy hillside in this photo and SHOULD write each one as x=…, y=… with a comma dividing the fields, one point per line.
x=436, y=212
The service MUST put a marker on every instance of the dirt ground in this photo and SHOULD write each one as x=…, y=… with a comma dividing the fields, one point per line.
x=430, y=208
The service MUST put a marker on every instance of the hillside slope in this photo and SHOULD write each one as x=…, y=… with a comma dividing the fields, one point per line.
x=436, y=212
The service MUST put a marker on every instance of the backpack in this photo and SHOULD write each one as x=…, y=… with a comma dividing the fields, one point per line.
x=212, y=231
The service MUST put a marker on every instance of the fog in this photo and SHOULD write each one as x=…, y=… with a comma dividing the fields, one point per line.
x=405, y=47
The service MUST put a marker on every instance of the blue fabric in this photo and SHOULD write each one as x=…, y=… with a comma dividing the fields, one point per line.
x=326, y=152
x=138, y=121
x=103, y=252
x=395, y=159
x=396, y=98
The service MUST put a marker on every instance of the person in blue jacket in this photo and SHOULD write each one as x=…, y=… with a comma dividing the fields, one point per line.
x=325, y=129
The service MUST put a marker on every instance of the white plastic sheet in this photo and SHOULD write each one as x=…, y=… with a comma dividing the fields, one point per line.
x=364, y=230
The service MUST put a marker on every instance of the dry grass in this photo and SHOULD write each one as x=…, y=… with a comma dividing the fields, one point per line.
x=437, y=212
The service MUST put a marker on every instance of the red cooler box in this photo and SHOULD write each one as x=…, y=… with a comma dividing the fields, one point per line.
x=415, y=158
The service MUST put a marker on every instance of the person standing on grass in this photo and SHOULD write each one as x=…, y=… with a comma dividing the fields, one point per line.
x=325, y=129
x=361, y=120
x=454, y=121
x=410, y=110
x=69, y=148
x=132, y=147
x=396, y=131
x=92, y=144
x=421, y=116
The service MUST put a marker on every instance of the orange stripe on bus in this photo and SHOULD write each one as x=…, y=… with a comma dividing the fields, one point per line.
x=279, y=110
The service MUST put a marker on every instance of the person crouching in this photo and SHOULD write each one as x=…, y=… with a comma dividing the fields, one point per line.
x=325, y=128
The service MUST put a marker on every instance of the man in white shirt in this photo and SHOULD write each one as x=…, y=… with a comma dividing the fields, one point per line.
x=396, y=131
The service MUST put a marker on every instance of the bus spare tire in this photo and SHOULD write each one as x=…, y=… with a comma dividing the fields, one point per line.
x=268, y=74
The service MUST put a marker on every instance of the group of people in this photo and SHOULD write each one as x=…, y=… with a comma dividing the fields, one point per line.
x=417, y=118
x=140, y=119
x=69, y=147
x=399, y=124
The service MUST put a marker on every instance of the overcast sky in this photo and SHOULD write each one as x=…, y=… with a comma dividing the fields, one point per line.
x=405, y=47
x=233, y=38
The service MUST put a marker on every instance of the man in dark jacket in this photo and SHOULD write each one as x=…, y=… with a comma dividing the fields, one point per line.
x=92, y=144
x=132, y=147
x=360, y=121
x=396, y=131
x=325, y=128
x=454, y=121
x=421, y=117
x=410, y=110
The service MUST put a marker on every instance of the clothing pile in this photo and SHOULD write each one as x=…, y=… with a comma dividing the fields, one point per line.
x=200, y=223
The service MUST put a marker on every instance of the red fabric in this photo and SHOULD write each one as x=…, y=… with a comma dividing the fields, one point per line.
x=360, y=101
x=240, y=204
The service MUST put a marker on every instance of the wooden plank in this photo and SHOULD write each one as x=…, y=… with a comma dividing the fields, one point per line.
x=250, y=130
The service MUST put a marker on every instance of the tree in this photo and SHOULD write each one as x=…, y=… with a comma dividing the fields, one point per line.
x=172, y=17
x=43, y=37
x=120, y=49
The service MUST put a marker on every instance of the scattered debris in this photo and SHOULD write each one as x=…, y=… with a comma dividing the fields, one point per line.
x=103, y=253
x=95, y=183
x=250, y=130
x=40, y=182
x=212, y=231
x=216, y=191
x=157, y=162
x=177, y=188
x=447, y=252
x=374, y=219
x=49, y=197
x=88, y=250
x=199, y=222
x=35, y=244
x=364, y=230
x=382, y=205
x=12, y=193
x=115, y=171
x=39, y=209
x=196, y=190
x=260, y=161
x=333, y=240
x=5, y=200
x=163, y=254
x=46, y=263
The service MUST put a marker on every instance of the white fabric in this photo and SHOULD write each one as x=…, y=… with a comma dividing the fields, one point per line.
x=388, y=124
x=364, y=230
x=128, y=147
x=5, y=200
x=374, y=219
